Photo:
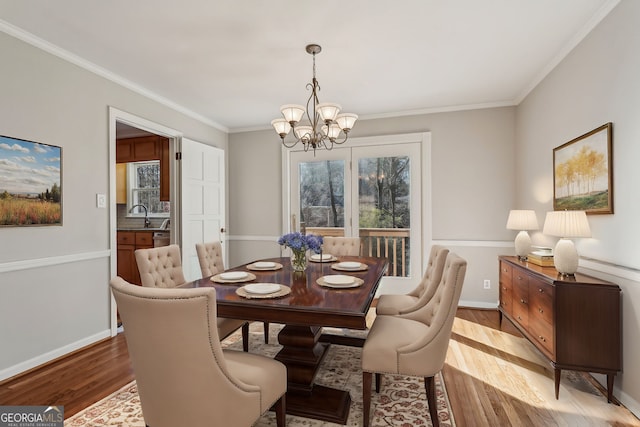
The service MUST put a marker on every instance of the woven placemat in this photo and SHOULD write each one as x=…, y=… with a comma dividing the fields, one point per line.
x=218, y=279
x=277, y=266
x=284, y=290
x=356, y=283
x=363, y=267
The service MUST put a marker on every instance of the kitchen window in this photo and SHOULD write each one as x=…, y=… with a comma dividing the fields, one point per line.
x=143, y=187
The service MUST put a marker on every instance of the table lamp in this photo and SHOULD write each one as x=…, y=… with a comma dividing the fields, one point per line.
x=566, y=224
x=522, y=220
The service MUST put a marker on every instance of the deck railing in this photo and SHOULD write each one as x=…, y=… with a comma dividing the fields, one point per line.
x=390, y=243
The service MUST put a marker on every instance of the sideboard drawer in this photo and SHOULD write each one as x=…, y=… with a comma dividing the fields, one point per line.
x=542, y=332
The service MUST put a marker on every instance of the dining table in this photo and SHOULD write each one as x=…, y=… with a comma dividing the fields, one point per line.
x=325, y=294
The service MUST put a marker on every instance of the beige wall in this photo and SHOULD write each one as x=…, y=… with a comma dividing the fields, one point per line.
x=597, y=83
x=472, y=154
x=54, y=293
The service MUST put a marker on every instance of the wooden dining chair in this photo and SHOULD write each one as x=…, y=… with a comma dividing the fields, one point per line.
x=211, y=262
x=183, y=376
x=161, y=267
x=415, y=343
x=394, y=304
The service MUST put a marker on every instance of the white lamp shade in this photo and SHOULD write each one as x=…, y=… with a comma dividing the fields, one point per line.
x=332, y=131
x=303, y=133
x=292, y=112
x=522, y=220
x=328, y=111
x=567, y=224
x=346, y=121
x=281, y=126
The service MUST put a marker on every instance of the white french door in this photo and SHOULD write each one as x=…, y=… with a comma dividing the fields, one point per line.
x=371, y=189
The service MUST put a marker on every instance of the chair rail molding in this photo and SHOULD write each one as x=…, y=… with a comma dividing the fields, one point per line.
x=28, y=264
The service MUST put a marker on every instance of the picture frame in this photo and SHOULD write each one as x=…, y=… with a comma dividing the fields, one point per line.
x=583, y=173
x=30, y=183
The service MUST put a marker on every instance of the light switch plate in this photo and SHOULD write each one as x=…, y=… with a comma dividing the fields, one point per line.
x=101, y=200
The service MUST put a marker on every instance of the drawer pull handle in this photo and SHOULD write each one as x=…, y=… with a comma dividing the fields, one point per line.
x=540, y=310
x=522, y=301
x=541, y=290
x=542, y=338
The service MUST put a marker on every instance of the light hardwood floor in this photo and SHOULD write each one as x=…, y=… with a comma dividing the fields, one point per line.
x=494, y=377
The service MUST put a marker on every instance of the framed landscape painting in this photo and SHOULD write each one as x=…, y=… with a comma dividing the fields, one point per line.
x=583, y=171
x=30, y=183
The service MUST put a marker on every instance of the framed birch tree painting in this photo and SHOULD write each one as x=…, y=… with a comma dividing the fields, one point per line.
x=583, y=173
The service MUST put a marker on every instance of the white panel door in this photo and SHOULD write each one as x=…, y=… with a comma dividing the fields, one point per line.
x=203, y=196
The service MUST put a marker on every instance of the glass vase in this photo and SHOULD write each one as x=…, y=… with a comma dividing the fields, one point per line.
x=298, y=260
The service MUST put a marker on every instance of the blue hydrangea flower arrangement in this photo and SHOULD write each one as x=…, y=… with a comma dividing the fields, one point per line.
x=299, y=244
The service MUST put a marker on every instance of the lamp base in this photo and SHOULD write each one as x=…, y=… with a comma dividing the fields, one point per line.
x=565, y=257
x=523, y=245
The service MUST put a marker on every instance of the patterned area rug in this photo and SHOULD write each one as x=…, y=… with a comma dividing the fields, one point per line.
x=401, y=402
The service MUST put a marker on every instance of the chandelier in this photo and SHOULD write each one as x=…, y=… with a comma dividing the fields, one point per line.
x=323, y=124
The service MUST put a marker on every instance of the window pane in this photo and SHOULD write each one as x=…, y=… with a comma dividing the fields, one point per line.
x=145, y=188
x=322, y=193
x=384, y=206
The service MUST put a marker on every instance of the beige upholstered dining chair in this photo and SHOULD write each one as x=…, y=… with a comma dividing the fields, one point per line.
x=341, y=246
x=416, y=343
x=161, y=267
x=183, y=375
x=389, y=304
x=212, y=262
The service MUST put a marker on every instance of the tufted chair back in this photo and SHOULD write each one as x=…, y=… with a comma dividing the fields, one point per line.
x=160, y=267
x=391, y=304
x=210, y=258
x=415, y=343
x=341, y=246
x=184, y=376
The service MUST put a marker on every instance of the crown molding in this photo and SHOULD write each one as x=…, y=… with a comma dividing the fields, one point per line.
x=48, y=47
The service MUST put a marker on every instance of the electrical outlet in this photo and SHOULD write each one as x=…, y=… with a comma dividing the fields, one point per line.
x=487, y=284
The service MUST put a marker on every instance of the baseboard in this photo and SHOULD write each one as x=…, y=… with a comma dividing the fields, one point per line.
x=478, y=304
x=27, y=365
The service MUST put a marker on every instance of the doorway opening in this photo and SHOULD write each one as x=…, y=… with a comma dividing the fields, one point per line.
x=143, y=193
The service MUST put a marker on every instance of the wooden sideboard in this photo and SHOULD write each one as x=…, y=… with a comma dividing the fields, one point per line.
x=574, y=321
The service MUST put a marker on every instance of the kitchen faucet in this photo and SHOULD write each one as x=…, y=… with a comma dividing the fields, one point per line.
x=147, y=222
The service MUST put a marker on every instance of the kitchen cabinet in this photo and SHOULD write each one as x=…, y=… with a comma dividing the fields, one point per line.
x=574, y=321
x=138, y=149
x=127, y=243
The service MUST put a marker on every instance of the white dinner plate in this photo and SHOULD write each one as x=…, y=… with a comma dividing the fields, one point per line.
x=349, y=265
x=339, y=280
x=264, y=264
x=234, y=275
x=325, y=257
x=262, y=288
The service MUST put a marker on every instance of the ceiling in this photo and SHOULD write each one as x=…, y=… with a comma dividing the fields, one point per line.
x=232, y=63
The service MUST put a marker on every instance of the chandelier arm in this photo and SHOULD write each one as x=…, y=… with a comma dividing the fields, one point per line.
x=346, y=136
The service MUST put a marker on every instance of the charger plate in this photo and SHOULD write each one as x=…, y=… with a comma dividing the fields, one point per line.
x=257, y=266
x=334, y=282
x=284, y=290
x=325, y=258
x=219, y=278
x=349, y=266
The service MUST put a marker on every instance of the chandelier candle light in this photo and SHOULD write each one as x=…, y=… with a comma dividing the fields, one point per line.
x=566, y=224
x=522, y=220
x=323, y=124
